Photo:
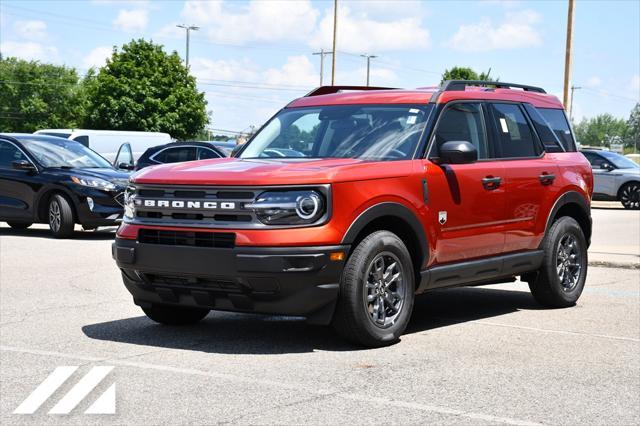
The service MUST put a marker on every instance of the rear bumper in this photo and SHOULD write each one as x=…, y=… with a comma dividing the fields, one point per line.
x=300, y=281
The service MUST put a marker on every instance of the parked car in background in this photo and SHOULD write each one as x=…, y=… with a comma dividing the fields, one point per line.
x=178, y=152
x=225, y=146
x=46, y=179
x=121, y=148
x=617, y=178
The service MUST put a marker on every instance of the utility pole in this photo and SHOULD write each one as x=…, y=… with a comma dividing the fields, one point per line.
x=573, y=88
x=322, y=53
x=567, y=55
x=188, y=29
x=335, y=32
x=369, y=57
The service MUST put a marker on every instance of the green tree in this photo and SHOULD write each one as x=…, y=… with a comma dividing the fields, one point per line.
x=36, y=96
x=600, y=130
x=633, y=128
x=143, y=88
x=465, y=73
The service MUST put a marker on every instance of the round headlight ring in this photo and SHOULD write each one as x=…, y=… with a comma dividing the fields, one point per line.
x=308, y=205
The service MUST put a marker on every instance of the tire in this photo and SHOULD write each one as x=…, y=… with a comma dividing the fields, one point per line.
x=630, y=196
x=175, y=315
x=369, y=273
x=19, y=225
x=560, y=280
x=60, y=217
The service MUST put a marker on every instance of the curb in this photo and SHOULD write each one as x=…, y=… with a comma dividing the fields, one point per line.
x=607, y=264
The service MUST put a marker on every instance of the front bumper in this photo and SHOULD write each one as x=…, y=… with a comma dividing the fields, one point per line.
x=299, y=281
x=99, y=208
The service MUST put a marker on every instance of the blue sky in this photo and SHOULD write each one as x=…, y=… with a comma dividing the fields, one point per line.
x=252, y=57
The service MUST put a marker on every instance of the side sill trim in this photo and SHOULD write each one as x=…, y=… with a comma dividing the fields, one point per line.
x=472, y=271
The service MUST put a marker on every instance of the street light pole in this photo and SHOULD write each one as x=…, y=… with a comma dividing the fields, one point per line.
x=188, y=29
x=567, y=54
x=335, y=32
x=322, y=53
x=573, y=88
x=369, y=57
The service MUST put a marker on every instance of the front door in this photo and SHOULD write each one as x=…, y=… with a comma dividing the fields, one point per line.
x=17, y=187
x=465, y=201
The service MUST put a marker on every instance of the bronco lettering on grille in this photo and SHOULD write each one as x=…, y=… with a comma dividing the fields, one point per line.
x=179, y=204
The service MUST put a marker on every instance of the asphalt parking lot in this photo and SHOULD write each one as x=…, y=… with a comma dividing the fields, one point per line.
x=486, y=355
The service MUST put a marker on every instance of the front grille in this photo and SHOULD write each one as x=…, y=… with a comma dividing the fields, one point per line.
x=187, y=238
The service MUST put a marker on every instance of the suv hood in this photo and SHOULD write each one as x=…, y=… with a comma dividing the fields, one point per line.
x=234, y=171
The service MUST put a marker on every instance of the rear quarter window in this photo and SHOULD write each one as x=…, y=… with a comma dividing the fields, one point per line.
x=558, y=122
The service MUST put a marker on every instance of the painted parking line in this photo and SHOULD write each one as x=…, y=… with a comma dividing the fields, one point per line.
x=426, y=408
x=546, y=330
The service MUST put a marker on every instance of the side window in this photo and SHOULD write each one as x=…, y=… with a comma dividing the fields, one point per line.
x=515, y=137
x=462, y=122
x=84, y=140
x=547, y=136
x=8, y=154
x=560, y=126
x=124, y=155
x=206, y=153
x=176, y=155
x=595, y=159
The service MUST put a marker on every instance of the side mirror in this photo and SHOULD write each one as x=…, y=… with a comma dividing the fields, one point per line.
x=458, y=152
x=126, y=166
x=24, y=165
x=606, y=166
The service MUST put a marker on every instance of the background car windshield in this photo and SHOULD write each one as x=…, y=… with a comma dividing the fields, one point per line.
x=54, y=152
x=620, y=161
x=352, y=131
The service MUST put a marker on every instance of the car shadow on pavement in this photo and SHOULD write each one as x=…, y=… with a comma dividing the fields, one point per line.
x=106, y=234
x=232, y=333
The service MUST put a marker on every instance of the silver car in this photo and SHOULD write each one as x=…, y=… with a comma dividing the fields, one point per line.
x=616, y=178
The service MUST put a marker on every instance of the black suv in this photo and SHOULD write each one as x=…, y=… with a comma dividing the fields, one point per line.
x=45, y=179
x=178, y=152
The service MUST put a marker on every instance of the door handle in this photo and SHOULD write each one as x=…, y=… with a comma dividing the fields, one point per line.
x=547, y=178
x=490, y=183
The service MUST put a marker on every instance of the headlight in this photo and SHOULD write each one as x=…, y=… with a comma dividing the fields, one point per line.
x=301, y=207
x=129, y=206
x=94, y=183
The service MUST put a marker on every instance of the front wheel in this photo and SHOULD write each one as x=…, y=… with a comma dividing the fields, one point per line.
x=376, y=292
x=560, y=280
x=175, y=315
x=630, y=196
x=60, y=217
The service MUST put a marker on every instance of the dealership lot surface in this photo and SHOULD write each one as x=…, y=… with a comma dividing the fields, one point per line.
x=471, y=355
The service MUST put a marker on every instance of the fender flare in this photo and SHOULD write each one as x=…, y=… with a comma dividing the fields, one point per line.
x=388, y=209
x=571, y=197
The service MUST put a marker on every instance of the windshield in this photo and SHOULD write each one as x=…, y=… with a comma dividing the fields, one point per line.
x=55, y=152
x=620, y=161
x=370, y=132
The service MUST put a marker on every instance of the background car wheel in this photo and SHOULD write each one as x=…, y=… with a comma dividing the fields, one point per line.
x=175, y=315
x=376, y=292
x=561, y=278
x=630, y=196
x=19, y=225
x=60, y=217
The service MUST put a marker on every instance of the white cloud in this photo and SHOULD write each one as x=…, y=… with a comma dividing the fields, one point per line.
x=132, y=20
x=169, y=31
x=297, y=71
x=97, y=57
x=30, y=51
x=359, y=33
x=31, y=30
x=635, y=82
x=594, y=81
x=516, y=31
x=268, y=21
x=225, y=69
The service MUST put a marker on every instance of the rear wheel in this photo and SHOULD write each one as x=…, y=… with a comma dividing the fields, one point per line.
x=376, y=292
x=560, y=280
x=19, y=225
x=60, y=217
x=175, y=315
x=630, y=196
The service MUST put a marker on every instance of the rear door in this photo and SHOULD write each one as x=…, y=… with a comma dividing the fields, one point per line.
x=532, y=178
x=466, y=201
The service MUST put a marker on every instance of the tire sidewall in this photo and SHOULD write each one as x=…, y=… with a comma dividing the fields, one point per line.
x=386, y=242
x=66, y=217
x=562, y=227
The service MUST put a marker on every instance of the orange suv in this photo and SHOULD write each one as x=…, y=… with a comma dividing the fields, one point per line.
x=352, y=200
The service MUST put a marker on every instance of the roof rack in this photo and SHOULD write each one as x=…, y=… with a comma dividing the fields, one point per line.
x=327, y=90
x=460, y=85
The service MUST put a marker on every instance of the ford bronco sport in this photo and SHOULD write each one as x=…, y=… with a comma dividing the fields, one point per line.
x=352, y=200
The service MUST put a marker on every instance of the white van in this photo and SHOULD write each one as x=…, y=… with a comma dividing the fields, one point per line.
x=120, y=147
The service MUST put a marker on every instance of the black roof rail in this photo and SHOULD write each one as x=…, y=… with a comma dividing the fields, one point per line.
x=327, y=90
x=460, y=85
